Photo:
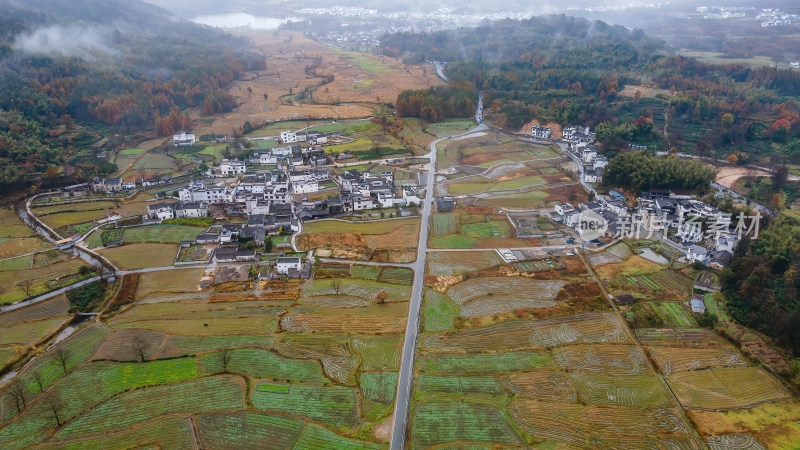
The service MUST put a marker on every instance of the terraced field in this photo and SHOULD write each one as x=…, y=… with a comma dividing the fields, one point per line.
x=320, y=370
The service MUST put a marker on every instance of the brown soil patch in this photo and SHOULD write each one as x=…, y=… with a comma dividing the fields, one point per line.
x=727, y=176
x=383, y=431
x=644, y=91
x=561, y=193
x=402, y=237
x=479, y=210
x=288, y=54
x=480, y=158
x=526, y=129
x=505, y=242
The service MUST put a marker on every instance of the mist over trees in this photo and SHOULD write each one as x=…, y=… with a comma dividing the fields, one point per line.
x=139, y=75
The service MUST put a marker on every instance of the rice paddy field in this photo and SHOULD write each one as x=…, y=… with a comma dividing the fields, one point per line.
x=310, y=366
x=486, y=149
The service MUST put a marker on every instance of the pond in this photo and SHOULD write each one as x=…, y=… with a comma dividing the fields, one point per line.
x=242, y=20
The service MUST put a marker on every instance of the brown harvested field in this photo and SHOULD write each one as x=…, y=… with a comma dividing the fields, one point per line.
x=388, y=240
x=205, y=327
x=358, y=79
x=43, y=279
x=125, y=345
x=11, y=226
x=378, y=319
x=140, y=256
x=726, y=388
x=534, y=198
x=185, y=280
x=634, y=265
x=679, y=359
x=22, y=246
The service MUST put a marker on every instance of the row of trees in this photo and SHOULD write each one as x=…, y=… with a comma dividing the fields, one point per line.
x=642, y=170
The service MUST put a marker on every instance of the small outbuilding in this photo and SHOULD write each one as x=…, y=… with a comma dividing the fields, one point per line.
x=698, y=305
x=624, y=299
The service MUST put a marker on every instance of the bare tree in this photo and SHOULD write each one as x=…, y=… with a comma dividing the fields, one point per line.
x=39, y=380
x=225, y=359
x=381, y=297
x=336, y=284
x=27, y=286
x=18, y=392
x=139, y=344
x=56, y=405
x=62, y=356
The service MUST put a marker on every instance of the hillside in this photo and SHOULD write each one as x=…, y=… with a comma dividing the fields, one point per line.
x=72, y=73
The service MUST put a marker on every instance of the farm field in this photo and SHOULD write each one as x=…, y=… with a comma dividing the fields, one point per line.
x=529, y=199
x=141, y=255
x=474, y=228
x=21, y=284
x=79, y=217
x=16, y=238
x=486, y=149
x=168, y=234
x=317, y=362
x=384, y=240
x=530, y=362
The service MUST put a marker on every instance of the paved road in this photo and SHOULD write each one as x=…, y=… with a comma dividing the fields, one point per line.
x=406, y=376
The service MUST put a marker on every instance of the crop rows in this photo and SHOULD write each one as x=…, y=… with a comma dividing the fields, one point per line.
x=193, y=345
x=733, y=442
x=538, y=265
x=533, y=289
x=499, y=304
x=610, y=359
x=579, y=425
x=171, y=432
x=365, y=272
x=130, y=345
x=447, y=363
x=127, y=410
x=248, y=430
x=378, y=352
x=365, y=289
x=259, y=363
x=452, y=263
x=440, y=312
x=375, y=322
x=333, y=405
x=543, y=385
x=721, y=388
x=316, y=437
x=673, y=312
x=397, y=275
x=478, y=385
x=639, y=391
x=441, y=422
x=582, y=328
x=41, y=310
x=681, y=337
x=443, y=224
x=671, y=359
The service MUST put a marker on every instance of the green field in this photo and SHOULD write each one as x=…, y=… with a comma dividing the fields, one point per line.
x=453, y=241
x=441, y=422
x=162, y=234
x=378, y=391
x=713, y=302
x=483, y=185
x=259, y=363
x=370, y=64
x=129, y=409
x=439, y=312
x=673, y=313
x=315, y=437
x=443, y=224
x=365, y=272
x=248, y=430
x=20, y=263
x=445, y=363
x=331, y=405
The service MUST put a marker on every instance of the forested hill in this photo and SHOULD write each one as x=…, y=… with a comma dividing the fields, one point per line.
x=573, y=71
x=73, y=72
x=539, y=40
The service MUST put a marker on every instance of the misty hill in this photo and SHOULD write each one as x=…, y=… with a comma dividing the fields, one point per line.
x=519, y=39
x=73, y=72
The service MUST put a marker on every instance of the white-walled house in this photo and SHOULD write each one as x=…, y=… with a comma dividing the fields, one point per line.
x=284, y=264
x=191, y=210
x=183, y=139
x=288, y=137
x=305, y=187
x=231, y=167
x=696, y=253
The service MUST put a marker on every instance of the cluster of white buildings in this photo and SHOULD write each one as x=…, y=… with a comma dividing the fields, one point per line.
x=774, y=17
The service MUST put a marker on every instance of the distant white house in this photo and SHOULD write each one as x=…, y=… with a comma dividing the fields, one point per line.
x=697, y=253
x=183, y=139
x=698, y=305
x=285, y=264
x=305, y=187
x=541, y=132
x=288, y=137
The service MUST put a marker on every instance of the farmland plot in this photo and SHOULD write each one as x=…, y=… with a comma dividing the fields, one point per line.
x=172, y=433
x=471, y=386
x=205, y=394
x=333, y=405
x=248, y=430
x=444, y=264
x=637, y=391
x=490, y=296
x=442, y=422
x=672, y=359
x=610, y=359
x=439, y=312
x=588, y=426
x=518, y=335
x=721, y=388
x=542, y=385
x=448, y=363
